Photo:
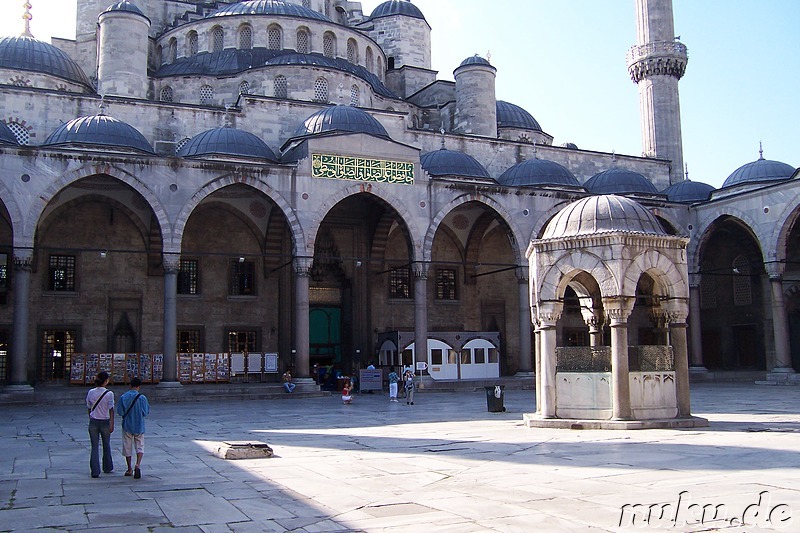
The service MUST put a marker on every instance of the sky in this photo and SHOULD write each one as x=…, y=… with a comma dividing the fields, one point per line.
x=564, y=62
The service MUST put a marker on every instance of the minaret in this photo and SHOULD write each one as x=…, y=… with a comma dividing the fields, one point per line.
x=656, y=63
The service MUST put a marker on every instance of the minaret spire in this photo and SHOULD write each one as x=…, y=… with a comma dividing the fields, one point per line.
x=27, y=18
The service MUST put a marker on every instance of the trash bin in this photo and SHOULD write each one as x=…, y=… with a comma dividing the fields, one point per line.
x=494, y=399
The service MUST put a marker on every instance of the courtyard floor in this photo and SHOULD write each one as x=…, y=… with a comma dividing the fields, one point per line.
x=444, y=464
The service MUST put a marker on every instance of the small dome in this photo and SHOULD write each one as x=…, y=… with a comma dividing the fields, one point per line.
x=6, y=135
x=761, y=170
x=687, y=192
x=513, y=116
x=619, y=181
x=99, y=130
x=125, y=6
x=451, y=163
x=538, y=172
x=269, y=7
x=475, y=60
x=571, y=146
x=227, y=141
x=602, y=214
x=397, y=7
x=341, y=118
x=29, y=54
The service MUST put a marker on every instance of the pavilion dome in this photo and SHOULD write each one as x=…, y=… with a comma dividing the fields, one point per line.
x=6, y=135
x=341, y=118
x=99, y=130
x=687, y=192
x=535, y=172
x=760, y=170
x=445, y=162
x=619, y=181
x=227, y=141
x=269, y=7
x=126, y=7
x=31, y=55
x=396, y=7
x=513, y=116
x=602, y=214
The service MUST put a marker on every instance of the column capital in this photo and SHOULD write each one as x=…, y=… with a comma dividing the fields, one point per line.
x=618, y=309
x=522, y=274
x=548, y=313
x=23, y=259
x=419, y=269
x=171, y=262
x=302, y=265
x=695, y=280
x=774, y=270
x=677, y=311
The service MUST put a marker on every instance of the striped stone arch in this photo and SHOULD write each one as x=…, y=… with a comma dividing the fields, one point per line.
x=786, y=220
x=673, y=281
x=554, y=282
x=188, y=208
x=43, y=199
x=15, y=214
x=518, y=246
x=704, y=225
x=396, y=203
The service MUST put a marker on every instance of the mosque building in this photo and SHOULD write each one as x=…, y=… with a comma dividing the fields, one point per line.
x=191, y=179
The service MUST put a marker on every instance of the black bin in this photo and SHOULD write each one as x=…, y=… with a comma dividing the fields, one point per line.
x=494, y=399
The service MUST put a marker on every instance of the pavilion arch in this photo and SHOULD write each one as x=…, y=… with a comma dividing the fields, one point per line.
x=705, y=230
x=667, y=276
x=788, y=218
x=555, y=280
x=502, y=213
x=295, y=229
x=36, y=210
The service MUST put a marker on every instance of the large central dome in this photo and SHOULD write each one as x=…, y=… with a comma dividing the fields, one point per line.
x=269, y=7
x=602, y=214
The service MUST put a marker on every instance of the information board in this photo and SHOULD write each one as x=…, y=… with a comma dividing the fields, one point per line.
x=370, y=380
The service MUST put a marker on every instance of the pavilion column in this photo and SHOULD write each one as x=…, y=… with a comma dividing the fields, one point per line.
x=695, y=327
x=301, y=361
x=595, y=324
x=677, y=334
x=537, y=363
x=420, y=271
x=169, y=348
x=18, y=376
x=548, y=318
x=525, y=356
x=618, y=310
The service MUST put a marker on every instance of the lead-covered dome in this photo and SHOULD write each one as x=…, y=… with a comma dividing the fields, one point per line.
x=99, y=130
x=619, y=181
x=761, y=170
x=227, y=141
x=269, y=7
x=602, y=214
x=126, y=7
x=6, y=135
x=397, y=7
x=513, y=116
x=475, y=60
x=445, y=162
x=32, y=55
x=687, y=192
x=535, y=172
x=341, y=118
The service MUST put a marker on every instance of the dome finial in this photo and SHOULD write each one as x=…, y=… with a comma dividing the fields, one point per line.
x=686, y=171
x=535, y=156
x=228, y=121
x=27, y=18
x=613, y=156
x=102, y=105
x=760, y=151
x=442, y=132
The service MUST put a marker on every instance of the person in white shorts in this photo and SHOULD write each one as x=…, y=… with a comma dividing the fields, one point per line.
x=133, y=407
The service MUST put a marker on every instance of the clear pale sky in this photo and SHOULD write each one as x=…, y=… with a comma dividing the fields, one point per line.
x=564, y=62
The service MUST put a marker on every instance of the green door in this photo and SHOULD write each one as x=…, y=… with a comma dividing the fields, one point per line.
x=325, y=335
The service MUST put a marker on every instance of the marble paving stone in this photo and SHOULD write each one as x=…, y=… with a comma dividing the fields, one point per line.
x=197, y=507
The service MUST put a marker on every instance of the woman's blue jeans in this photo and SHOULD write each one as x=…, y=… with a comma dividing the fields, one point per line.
x=100, y=429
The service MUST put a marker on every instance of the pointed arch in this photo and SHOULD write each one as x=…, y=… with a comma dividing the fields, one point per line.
x=672, y=281
x=705, y=229
x=553, y=282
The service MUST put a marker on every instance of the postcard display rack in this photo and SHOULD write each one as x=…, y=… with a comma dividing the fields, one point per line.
x=204, y=367
x=121, y=367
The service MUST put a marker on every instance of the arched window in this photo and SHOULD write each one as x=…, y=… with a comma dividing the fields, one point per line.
x=173, y=50
x=328, y=8
x=369, y=60
x=379, y=73
x=159, y=55
x=302, y=42
x=217, y=39
x=206, y=95
x=275, y=38
x=166, y=94
x=244, y=87
x=742, y=293
x=20, y=132
x=352, y=51
x=307, y=4
x=354, y=96
x=329, y=45
x=245, y=38
x=281, y=89
x=192, y=43
x=321, y=90
x=708, y=287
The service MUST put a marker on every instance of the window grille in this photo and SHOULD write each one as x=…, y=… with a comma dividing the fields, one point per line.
x=20, y=132
x=321, y=90
x=369, y=60
x=166, y=94
x=245, y=38
x=352, y=51
x=193, y=43
x=243, y=278
x=4, y=272
x=307, y=4
x=4, y=340
x=400, y=283
x=274, y=38
x=379, y=73
x=742, y=293
x=57, y=348
x=173, y=50
x=217, y=40
x=180, y=144
x=281, y=87
x=244, y=87
x=302, y=42
x=446, y=284
x=61, y=273
x=188, y=277
x=242, y=341
x=189, y=341
x=354, y=96
x=328, y=45
x=206, y=95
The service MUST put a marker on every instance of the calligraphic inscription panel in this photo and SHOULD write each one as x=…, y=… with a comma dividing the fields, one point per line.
x=361, y=169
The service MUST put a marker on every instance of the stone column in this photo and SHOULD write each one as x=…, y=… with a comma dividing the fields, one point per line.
x=780, y=326
x=695, y=327
x=301, y=364
x=525, y=359
x=548, y=317
x=618, y=310
x=538, y=363
x=420, y=271
x=171, y=264
x=18, y=376
x=677, y=330
x=595, y=324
